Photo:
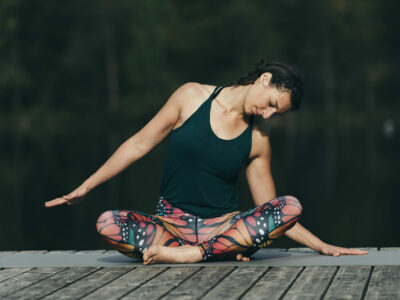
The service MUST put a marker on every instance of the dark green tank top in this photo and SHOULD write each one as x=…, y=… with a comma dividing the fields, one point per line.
x=201, y=170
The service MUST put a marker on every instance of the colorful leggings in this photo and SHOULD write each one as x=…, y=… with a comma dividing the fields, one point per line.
x=132, y=232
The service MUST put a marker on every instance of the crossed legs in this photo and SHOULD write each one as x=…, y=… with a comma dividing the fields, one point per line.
x=145, y=236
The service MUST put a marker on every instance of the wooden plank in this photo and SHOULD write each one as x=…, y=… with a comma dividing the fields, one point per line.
x=163, y=283
x=366, y=248
x=384, y=283
x=52, y=283
x=389, y=249
x=89, y=283
x=301, y=250
x=4, y=253
x=61, y=252
x=274, y=283
x=349, y=283
x=8, y=273
x=23, y=280
x=113, y=252
x=198, y=284
x=309, y=250
x=31, y=252
x=90, y=251
x=311, y=283
x=236, y=283
x=125, y=283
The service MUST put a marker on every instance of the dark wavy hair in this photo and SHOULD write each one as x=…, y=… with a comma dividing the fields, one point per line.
x=283, y=77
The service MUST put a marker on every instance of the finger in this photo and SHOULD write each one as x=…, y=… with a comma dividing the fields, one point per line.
x=357, y=252
x=145, y=256
x=55, y=202
x=246, y=259
x=239, y=257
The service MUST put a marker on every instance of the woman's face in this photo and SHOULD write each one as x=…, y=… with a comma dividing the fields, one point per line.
x=266, y=100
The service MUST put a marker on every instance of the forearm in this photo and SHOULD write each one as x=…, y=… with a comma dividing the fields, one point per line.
x=301, y=235
x=129, y=152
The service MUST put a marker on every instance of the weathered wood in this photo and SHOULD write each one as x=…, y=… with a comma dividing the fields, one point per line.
x=125, y=283
x=366, y=248
x=349, y=282
x=8, y=273
x=31, y=252
x=51, y=284
x=384, y=283
x=274, y=283
x=61, y=251
x=198, y=284
x=311, y=283
x=25, y=279
x=89, y=283
x=389, y=249
x=113, y=252
x=236, y=283
x=90, y=251
x=301, y=250
x=162, y=284
x=3, y=253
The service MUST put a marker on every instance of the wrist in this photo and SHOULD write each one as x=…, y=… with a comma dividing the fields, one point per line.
x=318, y=246
x=86, y=186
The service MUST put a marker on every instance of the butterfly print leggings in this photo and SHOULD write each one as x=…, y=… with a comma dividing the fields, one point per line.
x=132, y=233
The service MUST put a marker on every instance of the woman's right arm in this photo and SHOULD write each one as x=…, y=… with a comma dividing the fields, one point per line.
x=136, y=146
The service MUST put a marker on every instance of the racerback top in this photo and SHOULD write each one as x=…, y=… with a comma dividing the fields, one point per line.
x=201, y=169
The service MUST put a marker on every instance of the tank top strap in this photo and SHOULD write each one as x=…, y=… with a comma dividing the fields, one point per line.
x=216, y=91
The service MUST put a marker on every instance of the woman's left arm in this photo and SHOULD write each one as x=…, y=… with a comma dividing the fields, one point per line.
x=262, y=188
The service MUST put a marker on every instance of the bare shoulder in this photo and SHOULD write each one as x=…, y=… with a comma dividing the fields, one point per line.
x=194, y=92
x=260, y=145
x=190, y=96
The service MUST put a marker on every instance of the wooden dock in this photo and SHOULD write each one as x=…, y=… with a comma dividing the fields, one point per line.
x=225, y=280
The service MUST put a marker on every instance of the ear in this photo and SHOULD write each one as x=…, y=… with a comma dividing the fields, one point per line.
x=265, y=78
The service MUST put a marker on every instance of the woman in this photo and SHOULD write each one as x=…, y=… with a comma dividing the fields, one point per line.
x=212, y=136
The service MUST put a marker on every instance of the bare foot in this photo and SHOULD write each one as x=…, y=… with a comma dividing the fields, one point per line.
x=240, y=257
x=180, y=255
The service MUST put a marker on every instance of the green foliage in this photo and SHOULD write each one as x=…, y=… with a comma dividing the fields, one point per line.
x=79, y=77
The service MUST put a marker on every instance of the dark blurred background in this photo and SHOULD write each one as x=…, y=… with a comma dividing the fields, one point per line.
x=77, y=78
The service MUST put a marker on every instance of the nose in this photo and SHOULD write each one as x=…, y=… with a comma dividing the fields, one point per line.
x=268, y=113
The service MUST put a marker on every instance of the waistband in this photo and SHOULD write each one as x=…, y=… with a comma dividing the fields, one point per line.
x=164, y=208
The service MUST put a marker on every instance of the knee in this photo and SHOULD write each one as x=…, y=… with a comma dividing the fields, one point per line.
x=106, y=218
x=294, y=205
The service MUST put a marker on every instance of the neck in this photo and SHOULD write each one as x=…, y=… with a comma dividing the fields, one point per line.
x=232, y=101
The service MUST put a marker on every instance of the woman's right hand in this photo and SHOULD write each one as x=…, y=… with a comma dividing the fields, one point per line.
x=70, y=199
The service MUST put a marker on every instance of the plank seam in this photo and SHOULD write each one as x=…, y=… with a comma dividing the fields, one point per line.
x=365, y=289
x=34, y=282
x=30, y=269
x=144, y=282
x=42, y=296
x=254, y=283
x=329, y=283
x=173, y=288
x=107, y=283
x=291, y=284
x=218, y=282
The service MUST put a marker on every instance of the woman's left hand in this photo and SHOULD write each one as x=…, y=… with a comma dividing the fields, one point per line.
x=337, y=251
